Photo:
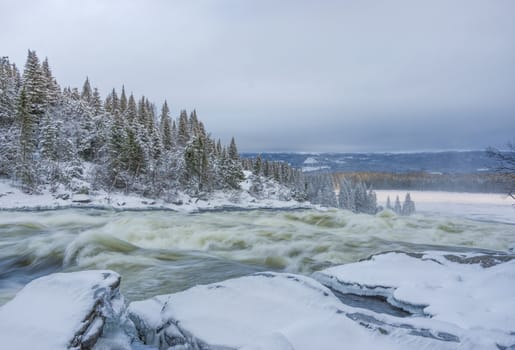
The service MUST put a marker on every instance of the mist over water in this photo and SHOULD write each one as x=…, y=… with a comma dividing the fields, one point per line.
x=159, y=252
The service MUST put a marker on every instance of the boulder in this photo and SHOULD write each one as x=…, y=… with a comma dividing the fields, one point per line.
x=465, y=298
x=267, y=311
x=62, y=311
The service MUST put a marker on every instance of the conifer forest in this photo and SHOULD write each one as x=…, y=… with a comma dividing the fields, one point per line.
x=76, y=140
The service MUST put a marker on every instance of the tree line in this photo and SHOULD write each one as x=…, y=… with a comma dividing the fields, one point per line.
x=73, y=139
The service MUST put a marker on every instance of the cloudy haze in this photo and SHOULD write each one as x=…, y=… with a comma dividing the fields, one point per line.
x=293, y=75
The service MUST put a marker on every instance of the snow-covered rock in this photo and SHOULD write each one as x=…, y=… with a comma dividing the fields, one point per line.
x=62, y=311
x=265, y=311
x=463, y=297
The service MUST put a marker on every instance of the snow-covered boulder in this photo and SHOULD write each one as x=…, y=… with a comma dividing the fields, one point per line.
x=268, y=311
x=62, y=311
x=467, y=298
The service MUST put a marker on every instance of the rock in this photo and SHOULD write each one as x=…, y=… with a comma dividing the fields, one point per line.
x=267, y=311
x=466, y=298
x=81, y=198
x=63, y=196
x=62, y=311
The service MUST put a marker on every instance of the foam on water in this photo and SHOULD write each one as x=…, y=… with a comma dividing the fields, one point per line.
x=162, y=252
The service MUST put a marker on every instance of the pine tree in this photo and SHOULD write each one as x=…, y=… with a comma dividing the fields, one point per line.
x=183, y=135
x=166, y=128
x=8, y=92
x=52, y=88
x=397, y=208
x=132, y=111
x=87, y=94
x=27, y=144
x=34, y=83
x=233, y=151
x=193, y=124
x=123, y=100
x=257, y=166
x=96, y=102
x=196, y=158
x=408, y=206
x=388, y=203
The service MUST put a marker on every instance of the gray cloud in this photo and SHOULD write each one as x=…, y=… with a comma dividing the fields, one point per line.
x=293, y=75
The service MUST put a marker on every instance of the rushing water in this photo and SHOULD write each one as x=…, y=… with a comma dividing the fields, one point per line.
x=159, y=252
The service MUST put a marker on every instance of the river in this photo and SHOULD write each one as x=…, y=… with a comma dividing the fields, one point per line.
x=159, y=252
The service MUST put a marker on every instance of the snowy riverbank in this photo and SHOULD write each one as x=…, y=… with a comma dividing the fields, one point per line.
x=491, y=207
x=271, y=195
x=450, y=301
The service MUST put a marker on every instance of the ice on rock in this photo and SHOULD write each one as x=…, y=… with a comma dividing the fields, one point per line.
x=467, y=298
x=61, y=311
x=266, y=311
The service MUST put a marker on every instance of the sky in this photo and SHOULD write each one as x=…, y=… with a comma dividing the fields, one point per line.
x=321, y=76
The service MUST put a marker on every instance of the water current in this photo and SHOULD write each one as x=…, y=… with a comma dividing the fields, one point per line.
x=160, y=252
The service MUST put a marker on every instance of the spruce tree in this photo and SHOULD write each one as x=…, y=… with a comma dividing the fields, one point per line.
x=132, y=111
x=183, y=135
x=86, y=94
x=52, y=88
x=397, y=208
x=166, y=128
x=96, y=102
x=233, y=150
x=27, y=142
x=123, y=101
x=34, y=83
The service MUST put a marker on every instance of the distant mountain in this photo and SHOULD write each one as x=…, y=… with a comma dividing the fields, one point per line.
x=448, y=162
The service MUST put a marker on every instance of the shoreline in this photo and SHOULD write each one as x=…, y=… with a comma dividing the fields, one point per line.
x=13, y=199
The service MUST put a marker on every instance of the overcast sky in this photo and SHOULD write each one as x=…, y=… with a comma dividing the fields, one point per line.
x=293, y=75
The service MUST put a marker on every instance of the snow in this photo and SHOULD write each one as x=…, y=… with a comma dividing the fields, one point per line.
x=477, y=301
x=263, y=311
x=307, y=169
x=310, y=160
x=494, y=207
x=48, y=312
x=275, y=196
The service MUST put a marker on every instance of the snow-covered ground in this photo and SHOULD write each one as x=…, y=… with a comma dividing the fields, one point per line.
x=466, y=295
x=61, y=311
x=266, y=311
x=271, y=195
x=493, y=207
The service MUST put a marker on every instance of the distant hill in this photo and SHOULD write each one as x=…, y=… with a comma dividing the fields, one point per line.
x=448, y=162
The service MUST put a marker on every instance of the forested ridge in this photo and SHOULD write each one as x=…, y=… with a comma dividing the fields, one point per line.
x=75, y=138
x=70, y=139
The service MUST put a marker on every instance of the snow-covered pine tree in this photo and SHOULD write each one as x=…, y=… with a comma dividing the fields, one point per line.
x=9, y=76
x=388, y=203
x=397, y=206
x=87, y=93
x=123, y=100
x=25, y=168
x=408, y=206
x=258, y=164
x=132, y=111
x=166, y=128
x=96, y=102
x=233, y=150
x=34, y=83
x=183, y=135
x=53, y=90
